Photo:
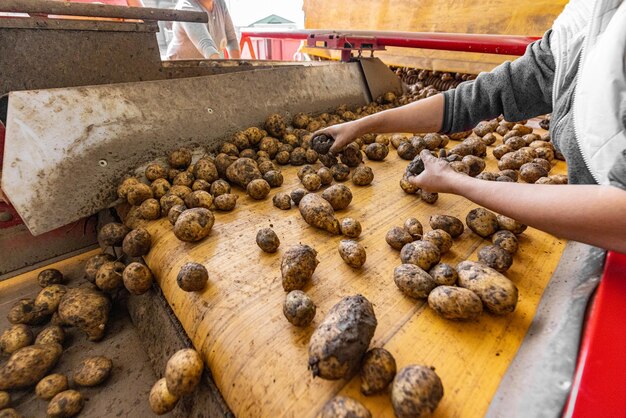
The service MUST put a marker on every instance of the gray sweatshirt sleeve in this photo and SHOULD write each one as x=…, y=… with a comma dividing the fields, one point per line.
x=231, y=37
x=201, y=38
x=518, y=90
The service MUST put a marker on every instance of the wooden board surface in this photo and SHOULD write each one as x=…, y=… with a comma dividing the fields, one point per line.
x=259, y=360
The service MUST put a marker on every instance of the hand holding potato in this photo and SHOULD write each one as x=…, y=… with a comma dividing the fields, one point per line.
x=343, y=133
x=437, y=176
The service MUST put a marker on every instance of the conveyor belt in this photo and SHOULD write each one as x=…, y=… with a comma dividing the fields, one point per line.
x=259, y=360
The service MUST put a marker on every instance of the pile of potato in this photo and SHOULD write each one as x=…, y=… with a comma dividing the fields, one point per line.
x=32, y=358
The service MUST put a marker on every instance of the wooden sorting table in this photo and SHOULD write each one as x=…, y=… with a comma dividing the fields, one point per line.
x=259, y=360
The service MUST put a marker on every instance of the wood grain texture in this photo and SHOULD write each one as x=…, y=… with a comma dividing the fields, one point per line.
x=259, y=360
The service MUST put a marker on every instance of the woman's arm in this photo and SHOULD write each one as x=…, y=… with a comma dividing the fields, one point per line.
x=201, y=38
x=592, y=214
x=232, y=44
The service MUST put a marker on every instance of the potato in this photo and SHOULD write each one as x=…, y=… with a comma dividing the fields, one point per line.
x=125, y=185
x=92, y=371
x=339, y=196
x=351, y=155
x=300, y=120
x=258, y=189
x=398, y=237
x=510, y=224
x=150, y=209
x=112, y=234
x=297, y=156
x=299, y=308
x=192, y=277
x=505, y=179
x=483, y=128
x=48, y=277
x=377, y=371
x=200, y=184
x=51, y=385
x=501, y=150
x=416, y=392
x=339, y=343
x=450, y=224
x=495, y=257
x=274, y=178
x=305, y=170
x=460, y=167
x=28, y=365
x=161, y=400
x=440, y=238
x=362, y=176
x=344, y=407
x=489, y=139
x=226, y=202
x=267, y=240
x=515, y=142
x=414, y=228
x=312, y=182
x=497, y=293
x=506, y=240
x=5, y=400
x=531, y=172
x=282, y=201
x=169, y=201
x=14, y=338
x=297, y=266
x=65, y=404
x=49, y=298
x=482, y=222
x=172, y=173
x=199, y=199
x=275, y=125
x=413, y=281
x=512, y=174
x=283, y=157
x=341, y=172
x=243, y=171
x=485, y=175
x=194, y=224
x=180, y=158
x=350, y=227
x=423, y=254
x=109, y=277
x=352, y=253
x=86, y=309
x=160, y=187
x=317, y=212
x=452, y=302
x=183, y=372
x=137, y=242
x=219, y=187
x=184, y=178
x=180, y=191
x=206, y=170
x=25, y=311
x=444, y=274
x=265, y=166
x=376, y=151
x=175, y=212
x=407, y=186
x=9, y=413
x=51, y=334
x=406, y=151
x=137, y=278
x=429, y=197
x=475, y=164
x=139, y=192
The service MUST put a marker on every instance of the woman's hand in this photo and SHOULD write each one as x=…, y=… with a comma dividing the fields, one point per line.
x=437, y=176
x=343, y=134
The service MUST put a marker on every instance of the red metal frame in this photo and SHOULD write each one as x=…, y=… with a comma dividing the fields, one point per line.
x=6, y=207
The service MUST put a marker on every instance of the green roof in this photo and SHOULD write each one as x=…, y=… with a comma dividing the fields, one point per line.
x=271, y=20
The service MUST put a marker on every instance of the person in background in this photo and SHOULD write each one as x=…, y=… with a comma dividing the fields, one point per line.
x=576, y=72
x=200, y=40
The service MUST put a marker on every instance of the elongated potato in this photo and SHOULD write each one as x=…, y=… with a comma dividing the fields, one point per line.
x=93, y=371
x=49, y=277
x=450, y=224
x=297, y=266
x=194, y=224
x=509, y=224
x=24, y=311
x=377, y=371
x=338, y=344
x=413, y=281
x=416, y=392
x=352, y=253
x=65, y=404
x=398, y=237
x=423, y=254
x=161, y=400
x=183, y=372
x=453, y=302
x=86, y=309
x=344, y=407
x=317, y=212
x=16, y=337
x=495, y=257
x=497, y=293
x=51, y=334
x=29, y=365
x=49, y=386
x=482, y=222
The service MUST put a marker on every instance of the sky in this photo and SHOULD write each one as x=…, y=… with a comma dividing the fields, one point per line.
x=245, y=12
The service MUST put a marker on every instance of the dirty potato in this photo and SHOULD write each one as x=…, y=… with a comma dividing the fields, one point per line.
x=531, y=172
x=49, y=297
x=137, y=278
x=206, y=170
x=200, y=184
x=92, y=371
x=352, y=253
x=482, y=222
x=312, y=182
x=183, y=372
x=175, y=212
x=192, y=277
x=340, y=171
x=28, y=365
x=137, y=242
x=267, y=240
x=297, y=266
x=423, y=254
x=112, y=234
x=150, y=209
x=282, y=201
x=160, y=187
x=125, y=185
x=495, y=257
x=169, y=201
x=49, y=386
x=65, y=404
x=258, y=189
x=443, y=274
x=362, y=176
x=274, y=178
x=220, y=187
x=180, y=158
x=351, y=155
x=199, y=199
x=350, y=227
x=452, y=302
x=339, y=343
x=297, y=195
x=450, y=224
x=275, y=125
x=407, y=186
x=51, y=334
x=226, y=202
x=440, y=238
x=299, y=308
x=243, y=171
x=509, y=224
x=86, y=309
x=414, y=228
x=321, y=143
x=194, y=224
x=139, y=192
x=429, y=197
x=160, y=399
x=506, y=240
x=48, y=277
x=497, y=293
x=24, y=311
x=398, y=237
x=109, y=277
x=376, y=151
x=344, y=407
x=377, y=371
x=14, y=338
x=475, y=164
x=319, y=213
x=416, y=392
x=339, y=196
x=413, y=281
